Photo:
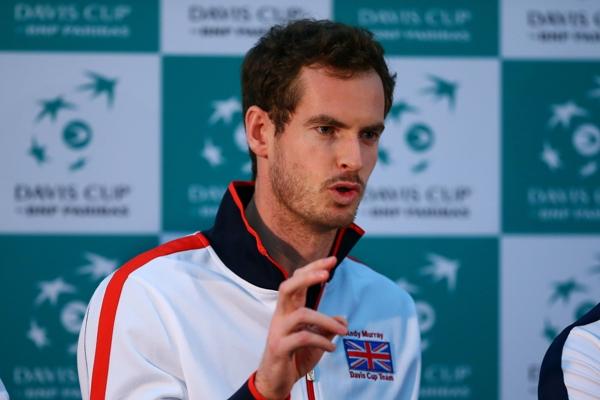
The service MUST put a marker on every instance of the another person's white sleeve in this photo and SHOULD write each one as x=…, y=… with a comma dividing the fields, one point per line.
x=3, y=392
x=581, y=362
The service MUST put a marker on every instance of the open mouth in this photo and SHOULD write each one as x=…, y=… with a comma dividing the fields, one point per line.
x=345, y=192
x=345, y=187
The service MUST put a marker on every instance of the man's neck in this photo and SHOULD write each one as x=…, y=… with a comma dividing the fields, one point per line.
x=290, y=242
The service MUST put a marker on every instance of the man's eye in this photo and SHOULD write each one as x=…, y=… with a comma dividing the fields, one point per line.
x=370, y=135
x=325, y=130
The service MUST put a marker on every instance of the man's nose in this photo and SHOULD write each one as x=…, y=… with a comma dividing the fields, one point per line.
x=349, y=154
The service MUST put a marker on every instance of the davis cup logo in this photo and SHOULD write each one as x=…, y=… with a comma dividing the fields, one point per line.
x=419, y=136
x=226, y=120
x=58, y=309
x=66, y=144
x=572, y=142
x=439, y=270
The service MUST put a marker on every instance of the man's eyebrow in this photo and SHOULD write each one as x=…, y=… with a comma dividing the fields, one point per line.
x=327, y=120
x=379, y=127
x=323, y=119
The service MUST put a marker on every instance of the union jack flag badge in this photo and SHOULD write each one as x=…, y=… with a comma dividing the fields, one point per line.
x=368, y=355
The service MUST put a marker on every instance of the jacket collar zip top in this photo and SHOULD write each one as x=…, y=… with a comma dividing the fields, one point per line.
x=241, y=249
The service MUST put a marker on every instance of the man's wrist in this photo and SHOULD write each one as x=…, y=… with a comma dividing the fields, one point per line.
x=255, y=389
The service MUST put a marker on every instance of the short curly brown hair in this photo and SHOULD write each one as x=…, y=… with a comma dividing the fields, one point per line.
x=271, y=68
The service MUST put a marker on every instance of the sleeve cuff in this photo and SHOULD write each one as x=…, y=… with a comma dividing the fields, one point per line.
x=248, y=391
x=253, y=388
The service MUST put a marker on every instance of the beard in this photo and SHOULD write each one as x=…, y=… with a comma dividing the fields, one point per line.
x=310, y=204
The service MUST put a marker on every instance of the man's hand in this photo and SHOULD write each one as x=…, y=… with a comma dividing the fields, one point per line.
x=298, y=336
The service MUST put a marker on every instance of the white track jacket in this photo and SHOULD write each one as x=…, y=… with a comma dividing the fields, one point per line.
x=189, y=320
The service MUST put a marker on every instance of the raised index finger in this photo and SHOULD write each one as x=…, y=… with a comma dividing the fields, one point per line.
x=292, y=292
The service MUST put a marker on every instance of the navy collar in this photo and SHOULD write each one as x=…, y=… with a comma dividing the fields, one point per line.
x=241, y=249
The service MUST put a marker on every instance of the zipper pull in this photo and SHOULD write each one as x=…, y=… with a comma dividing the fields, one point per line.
x=311, y=375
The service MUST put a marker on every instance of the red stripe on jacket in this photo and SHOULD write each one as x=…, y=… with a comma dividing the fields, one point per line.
x=110, y=302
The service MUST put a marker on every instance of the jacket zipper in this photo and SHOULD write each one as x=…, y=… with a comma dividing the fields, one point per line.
x=310, y=377
x=310, y=386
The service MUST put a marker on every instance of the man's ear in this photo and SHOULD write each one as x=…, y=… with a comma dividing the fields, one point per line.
x=259, y=130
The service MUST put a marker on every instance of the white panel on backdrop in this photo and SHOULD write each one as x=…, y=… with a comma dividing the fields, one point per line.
x=80, y=146
x=550, y=28
x=438, y=163
x=546, y=284
x=228, y=26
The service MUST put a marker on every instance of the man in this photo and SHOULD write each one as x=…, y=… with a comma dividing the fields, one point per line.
x=265, y=305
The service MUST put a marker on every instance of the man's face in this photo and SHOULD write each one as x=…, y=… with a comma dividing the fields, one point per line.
x=319, y=165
